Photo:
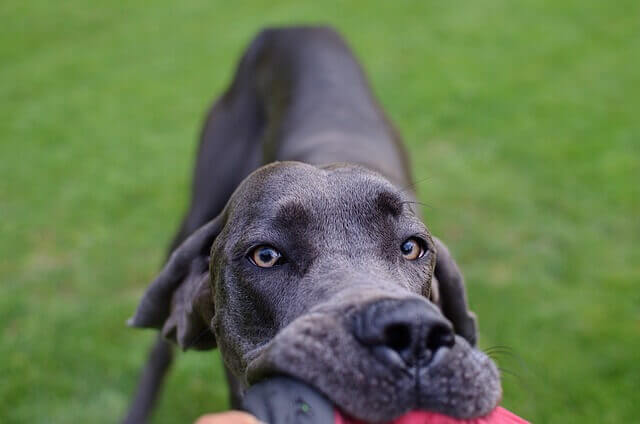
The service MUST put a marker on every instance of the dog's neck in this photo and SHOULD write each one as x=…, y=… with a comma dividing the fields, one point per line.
x=319, y=108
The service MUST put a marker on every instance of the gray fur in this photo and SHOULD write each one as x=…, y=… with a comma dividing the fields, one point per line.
x=334, y=198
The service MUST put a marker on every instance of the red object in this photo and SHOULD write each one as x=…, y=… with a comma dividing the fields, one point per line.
x=497, y=416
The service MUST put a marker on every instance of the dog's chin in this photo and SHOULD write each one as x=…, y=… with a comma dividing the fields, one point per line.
x=462, y=383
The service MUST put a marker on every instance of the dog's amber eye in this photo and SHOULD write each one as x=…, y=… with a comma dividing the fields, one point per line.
x=265, y=256
x=412, y=249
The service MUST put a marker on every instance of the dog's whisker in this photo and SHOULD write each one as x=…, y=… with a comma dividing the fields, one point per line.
x=499, y=352
x=499, y=348
x=414, y=184
x=410, y=202
x=509, y=372
x=503, y=353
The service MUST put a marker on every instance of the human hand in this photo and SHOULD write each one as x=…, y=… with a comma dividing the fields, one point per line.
x=229, y=417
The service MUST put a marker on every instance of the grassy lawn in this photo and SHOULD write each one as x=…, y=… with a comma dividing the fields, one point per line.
x=522, y=122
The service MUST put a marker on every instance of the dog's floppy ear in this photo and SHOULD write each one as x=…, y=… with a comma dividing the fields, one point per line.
x=179, y=301
x=452, y=294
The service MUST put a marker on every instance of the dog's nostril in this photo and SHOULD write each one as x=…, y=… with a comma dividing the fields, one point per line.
x=440, y=336
x=403, y=333
x=397, y=337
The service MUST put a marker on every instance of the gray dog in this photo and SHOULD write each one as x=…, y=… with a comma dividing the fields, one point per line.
x=302, y=255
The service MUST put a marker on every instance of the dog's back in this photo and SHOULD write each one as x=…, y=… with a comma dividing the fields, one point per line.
x=298, y=94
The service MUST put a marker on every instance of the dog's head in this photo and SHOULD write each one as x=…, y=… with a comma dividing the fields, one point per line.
x=322, y=274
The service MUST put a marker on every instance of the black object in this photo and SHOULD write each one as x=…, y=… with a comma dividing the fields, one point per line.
x=284, y=400
x=402, y=332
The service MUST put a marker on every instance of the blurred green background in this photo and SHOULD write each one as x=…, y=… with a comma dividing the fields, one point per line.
x=522, y=122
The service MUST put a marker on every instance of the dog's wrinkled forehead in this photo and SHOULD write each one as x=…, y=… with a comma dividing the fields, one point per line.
x=290, y=194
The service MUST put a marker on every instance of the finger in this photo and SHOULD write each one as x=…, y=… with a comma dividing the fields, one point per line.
x=230, y=417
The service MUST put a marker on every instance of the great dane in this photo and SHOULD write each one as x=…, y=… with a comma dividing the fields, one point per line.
x=303, y=252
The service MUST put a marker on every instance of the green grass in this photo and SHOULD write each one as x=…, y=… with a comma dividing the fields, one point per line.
x=522, y=122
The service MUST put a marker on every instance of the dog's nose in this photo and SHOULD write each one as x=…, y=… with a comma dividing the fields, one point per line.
x=406, y=332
